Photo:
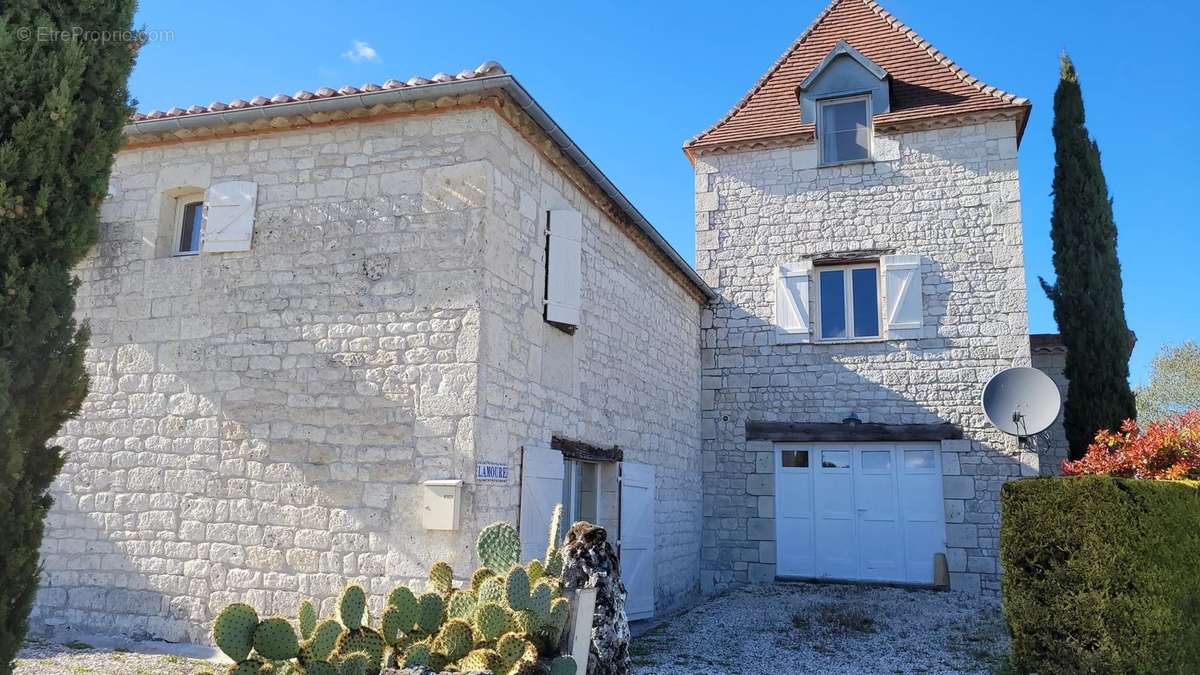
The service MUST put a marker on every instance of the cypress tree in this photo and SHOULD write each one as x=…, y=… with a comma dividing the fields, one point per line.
x=1088, y=304
x=63, y=101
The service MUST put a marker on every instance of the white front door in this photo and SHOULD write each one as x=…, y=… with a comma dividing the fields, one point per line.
x=868, y=511
x=637, y=538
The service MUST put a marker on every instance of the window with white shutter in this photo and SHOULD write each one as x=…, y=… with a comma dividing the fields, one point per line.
x=903, y=312
x=564, y=267
x=229, y=216
x=792, y=322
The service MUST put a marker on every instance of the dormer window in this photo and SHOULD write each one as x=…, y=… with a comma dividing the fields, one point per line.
x=844, y=129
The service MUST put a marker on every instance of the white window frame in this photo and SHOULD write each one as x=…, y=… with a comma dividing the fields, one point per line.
x=848, y=301
x=181, y=203
x=834, y=100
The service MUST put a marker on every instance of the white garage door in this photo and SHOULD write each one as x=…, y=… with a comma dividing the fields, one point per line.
x=867, y=511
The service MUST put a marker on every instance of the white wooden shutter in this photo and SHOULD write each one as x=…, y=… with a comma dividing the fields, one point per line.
x=902, y=306
x=792, y=322
x=637, y=538
x=564, y=266
x=229, y=216
x=541, y=491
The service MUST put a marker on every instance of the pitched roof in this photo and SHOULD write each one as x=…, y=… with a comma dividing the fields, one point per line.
x=485, y=69
x=925, y=83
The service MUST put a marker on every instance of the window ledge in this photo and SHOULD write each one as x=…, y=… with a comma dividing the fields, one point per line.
x=852, y=162
x=849, y=341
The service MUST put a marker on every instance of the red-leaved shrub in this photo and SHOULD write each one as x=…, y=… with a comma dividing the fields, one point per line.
x=1167, y=449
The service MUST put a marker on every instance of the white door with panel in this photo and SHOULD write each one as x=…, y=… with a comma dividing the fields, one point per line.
x=861, y=511
x=637, y=538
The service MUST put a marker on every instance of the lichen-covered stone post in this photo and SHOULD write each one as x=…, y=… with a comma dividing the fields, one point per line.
x=589, y=561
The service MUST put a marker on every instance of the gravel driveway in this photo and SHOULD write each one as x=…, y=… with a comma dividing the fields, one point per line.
x=75, y=658
x=811, y=628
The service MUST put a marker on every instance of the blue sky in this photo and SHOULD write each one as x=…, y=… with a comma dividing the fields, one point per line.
x=632, y=81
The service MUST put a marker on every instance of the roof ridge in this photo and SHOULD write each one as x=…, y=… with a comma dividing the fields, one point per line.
x=767, y=75
x=937, y=55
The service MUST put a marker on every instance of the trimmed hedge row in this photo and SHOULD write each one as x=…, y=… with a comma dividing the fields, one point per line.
x=1102, y=575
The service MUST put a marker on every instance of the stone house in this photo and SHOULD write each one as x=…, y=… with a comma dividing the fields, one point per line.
x=336, y=333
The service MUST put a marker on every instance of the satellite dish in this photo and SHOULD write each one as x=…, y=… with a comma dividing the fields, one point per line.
x=1021, y=401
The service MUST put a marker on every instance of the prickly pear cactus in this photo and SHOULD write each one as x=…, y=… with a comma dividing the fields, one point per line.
x=461, y=605
x=563, y=665
x=245, y=667
x=307, y=620
x=516, y=588
x=554, y=564
x=352, y=606
x=492, y=590
x=416, y=655
x=554, y=536
x=324, y=640
x=491, y=620
x=233, y=630
x=320, y=668
x=275, y=639
x=480, y=576
x=535, y=569
x=499, y=547
x=455, y=639
x=364, y=641
x=523, y=623
x=355, y=664
x=510, y=647
x=560, y=613
x=441, y=577
x=481, y=659
x=401, y=596
x=429, y=613
x=541, y=600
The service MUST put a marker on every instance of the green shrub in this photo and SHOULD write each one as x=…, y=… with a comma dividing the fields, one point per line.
x=1102, y=575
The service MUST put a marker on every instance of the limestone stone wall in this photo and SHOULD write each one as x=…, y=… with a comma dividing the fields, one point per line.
x=630, y=374
x=259, y=423
x=950, y=195
x=1050, y=356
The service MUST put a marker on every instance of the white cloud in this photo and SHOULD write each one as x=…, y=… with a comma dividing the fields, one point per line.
x=361, y=52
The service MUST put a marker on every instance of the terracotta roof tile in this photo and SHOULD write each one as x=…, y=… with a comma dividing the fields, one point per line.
x=925, y=82
x=485, y=69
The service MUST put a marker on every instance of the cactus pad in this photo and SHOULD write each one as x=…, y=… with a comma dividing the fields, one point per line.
x=535, y=569
x=563, y=665
x=523, y=623
x=461, y=605
x=364, y=640
x=516, y=588
x=554, y=564
x=319, y=668
x=233, y=631
x=481, y=659
x=552, y=538
x=491, y=620
x=354, y=664
x=429, y=612
x=401, y=596
x=324, y=639
x=352, y=606
x=441, y=577
x=455, y=639
x=416, y=655
x=308, y=619
x=245, y=667
x=479, y=577
x=275, y=639
x=499, y=547
x=492, y=590
x=560, y=613
x=511, y=647
x=540, y=601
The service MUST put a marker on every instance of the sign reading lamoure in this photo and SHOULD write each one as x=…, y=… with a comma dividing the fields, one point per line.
x=492, y=472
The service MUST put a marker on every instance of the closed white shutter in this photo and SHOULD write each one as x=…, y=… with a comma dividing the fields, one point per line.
x=792, y=321
x=229, y=216
x=903, y=308
x=564, y=266
x=637, y=538
x=541, y=491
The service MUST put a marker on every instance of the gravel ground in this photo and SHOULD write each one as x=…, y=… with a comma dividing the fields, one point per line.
x=76, y=658
x=810, y=628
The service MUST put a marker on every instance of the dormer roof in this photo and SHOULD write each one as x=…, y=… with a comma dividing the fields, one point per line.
x=843, y=48
x=925, y=84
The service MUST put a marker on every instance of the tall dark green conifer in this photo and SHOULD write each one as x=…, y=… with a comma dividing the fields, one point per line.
x=1088, y=304
x=63, y=101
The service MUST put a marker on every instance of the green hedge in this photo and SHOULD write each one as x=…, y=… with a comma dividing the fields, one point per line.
x=1102, y=575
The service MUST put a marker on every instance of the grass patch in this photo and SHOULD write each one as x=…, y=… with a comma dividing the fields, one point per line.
x=77, y=644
